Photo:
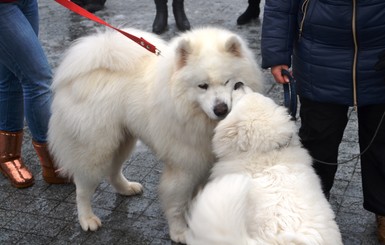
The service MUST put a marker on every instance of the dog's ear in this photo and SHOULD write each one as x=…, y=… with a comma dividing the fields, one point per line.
x=230, y=136
x=239, y=92
x=261, y=136
x=244, y=141
x=233, y=45
x=224, y=141
x=183, y=51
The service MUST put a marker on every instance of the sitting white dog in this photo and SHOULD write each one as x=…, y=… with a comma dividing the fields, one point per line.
x=263, y=189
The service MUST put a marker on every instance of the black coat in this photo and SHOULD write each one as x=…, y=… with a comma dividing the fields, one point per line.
x=332, y=46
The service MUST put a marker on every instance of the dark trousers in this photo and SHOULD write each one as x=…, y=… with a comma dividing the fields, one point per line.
x=321, y=132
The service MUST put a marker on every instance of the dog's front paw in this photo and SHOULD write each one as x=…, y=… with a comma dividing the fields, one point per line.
x=91, y=223
x=178, y=235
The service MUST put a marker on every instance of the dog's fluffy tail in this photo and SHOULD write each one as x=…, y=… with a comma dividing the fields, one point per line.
x=219, y=213
x=105, y=50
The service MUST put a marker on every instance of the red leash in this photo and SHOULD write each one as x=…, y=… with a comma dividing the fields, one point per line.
x=81, y=11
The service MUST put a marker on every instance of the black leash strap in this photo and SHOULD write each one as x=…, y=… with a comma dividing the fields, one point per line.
x=290, y=94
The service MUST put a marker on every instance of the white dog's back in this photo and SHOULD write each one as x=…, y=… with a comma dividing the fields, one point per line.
x=220, y=214
x=236, y=209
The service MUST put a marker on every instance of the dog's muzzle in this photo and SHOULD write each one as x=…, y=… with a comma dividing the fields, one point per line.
x=221, y=110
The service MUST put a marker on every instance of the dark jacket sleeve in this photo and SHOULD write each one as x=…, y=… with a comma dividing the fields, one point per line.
x=278, y=29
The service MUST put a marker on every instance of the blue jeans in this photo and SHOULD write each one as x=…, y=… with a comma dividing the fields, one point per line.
x=25, y=74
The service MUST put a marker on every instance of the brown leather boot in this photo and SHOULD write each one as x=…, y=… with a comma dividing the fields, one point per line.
x=11, y=164
x=381, y=229
x=50, y=174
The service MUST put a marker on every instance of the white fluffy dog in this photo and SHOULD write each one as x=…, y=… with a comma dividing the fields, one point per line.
x=109, y=92
x=263, y=190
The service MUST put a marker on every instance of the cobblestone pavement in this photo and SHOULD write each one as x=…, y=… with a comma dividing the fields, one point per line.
x=46, y=214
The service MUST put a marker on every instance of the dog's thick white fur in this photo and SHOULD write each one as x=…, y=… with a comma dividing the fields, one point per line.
x=109, y=92
x=263, y=190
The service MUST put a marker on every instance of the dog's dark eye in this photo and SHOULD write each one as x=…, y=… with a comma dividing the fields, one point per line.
x=203, y=86
x=238, y=85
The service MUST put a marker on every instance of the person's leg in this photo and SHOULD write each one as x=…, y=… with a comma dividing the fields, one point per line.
x=252, y=12
x=160, y=22
x=180, y=16
x=23, y=55
x=93, y=5
x=321, y=132
x=11, y=101
x=373, y=162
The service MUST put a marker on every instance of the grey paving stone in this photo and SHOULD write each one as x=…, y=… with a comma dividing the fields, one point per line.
x=23, y=222
x=64, y=211
x=72, y=234
x=16, y=202
x=6, y=216
x=9, y=236
x=104, y=236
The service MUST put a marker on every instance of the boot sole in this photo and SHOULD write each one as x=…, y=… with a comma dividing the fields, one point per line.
x=17, y=185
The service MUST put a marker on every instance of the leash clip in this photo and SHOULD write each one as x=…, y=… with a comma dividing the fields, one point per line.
x=290, y=94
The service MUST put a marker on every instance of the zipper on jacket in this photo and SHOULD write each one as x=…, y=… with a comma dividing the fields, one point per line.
x=354, y=68
x=304, y=7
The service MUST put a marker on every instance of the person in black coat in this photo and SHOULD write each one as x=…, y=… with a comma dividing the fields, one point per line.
x=334, y=49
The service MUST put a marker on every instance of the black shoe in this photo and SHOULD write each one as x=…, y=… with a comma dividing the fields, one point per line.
x=252, y=12
x=160, y=22
x=93, y=5
x=79, y=2
x=180, y=16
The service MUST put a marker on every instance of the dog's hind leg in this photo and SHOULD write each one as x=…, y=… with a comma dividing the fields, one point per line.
x=116, y=177
x=85, y=188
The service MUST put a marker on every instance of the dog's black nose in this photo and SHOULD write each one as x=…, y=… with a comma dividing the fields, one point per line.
x=221, y=110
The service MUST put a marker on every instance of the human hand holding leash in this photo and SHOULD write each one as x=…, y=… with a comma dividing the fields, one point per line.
x=276, y=71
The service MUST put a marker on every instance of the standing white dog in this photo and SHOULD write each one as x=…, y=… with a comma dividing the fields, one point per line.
x=109, y=92
x=263, y=190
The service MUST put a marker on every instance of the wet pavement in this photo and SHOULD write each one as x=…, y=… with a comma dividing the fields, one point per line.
x=46, y=214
